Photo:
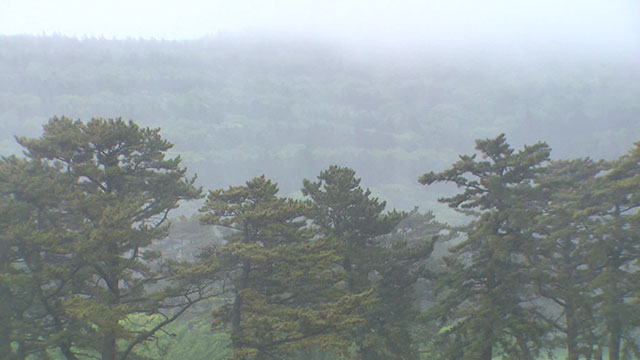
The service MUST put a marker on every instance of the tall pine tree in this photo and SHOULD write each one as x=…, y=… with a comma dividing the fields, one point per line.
x=105, y=189
x=560, y=265
x=484, y=290
x=280, y=278
x=615, y=220
x=355, y=223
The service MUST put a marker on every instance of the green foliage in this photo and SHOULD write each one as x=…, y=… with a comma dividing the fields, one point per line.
x=280, y=277
x=559, y=263
x=95, y=197
x=190, y=339
x=614, y=222
x=484, y=289
x=355, y=222
x=31, y=246
x=548, y=261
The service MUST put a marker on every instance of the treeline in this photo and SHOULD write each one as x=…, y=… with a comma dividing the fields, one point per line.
x=548, y=259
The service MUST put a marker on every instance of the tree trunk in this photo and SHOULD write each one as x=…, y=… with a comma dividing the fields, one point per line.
x=236, y=311
x=572, y=343
x=487, y=353
x=572, y=349
x=235, y=321
x=615, y=337
x=113, y=299
x=613, y=300
x=109, y=347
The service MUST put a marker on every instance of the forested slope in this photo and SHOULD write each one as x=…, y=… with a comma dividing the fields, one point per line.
x=238, y=107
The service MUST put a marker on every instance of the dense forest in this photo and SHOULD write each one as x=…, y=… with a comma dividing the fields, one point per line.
x=341, y=209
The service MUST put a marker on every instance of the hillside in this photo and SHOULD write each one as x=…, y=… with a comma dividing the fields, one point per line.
x=236, y=107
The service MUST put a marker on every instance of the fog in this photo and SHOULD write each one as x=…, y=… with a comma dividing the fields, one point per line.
x=377, y=101
x=407, y=24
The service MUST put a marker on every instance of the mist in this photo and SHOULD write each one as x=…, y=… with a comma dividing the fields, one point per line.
x=283, y=179
x=394, y=25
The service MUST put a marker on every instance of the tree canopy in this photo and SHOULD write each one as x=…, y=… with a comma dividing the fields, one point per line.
x=96, y=196
x=280, y=277
x=547, y=260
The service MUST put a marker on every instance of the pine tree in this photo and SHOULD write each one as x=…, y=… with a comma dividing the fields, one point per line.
x=99, y=198
x=615, y=220
x=34, y=260
x=561, y=274
x=279, y=276
x=484, y=291
x=355, y=222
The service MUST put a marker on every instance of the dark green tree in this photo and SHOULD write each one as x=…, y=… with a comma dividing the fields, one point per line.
x=560, y=265
x=355, y=223
x=35, y=264
x=99, y=197
x=280, y=278
x=483, y=299
x=615, y=220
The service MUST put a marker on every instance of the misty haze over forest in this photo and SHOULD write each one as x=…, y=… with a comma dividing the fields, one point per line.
x=321, y=81
x=244, y=106
x=356, y=180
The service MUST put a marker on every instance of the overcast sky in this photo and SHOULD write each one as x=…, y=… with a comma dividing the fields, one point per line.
x=375, y=21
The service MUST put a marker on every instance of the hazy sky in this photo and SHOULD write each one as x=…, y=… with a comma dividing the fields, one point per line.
x=375, y=21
